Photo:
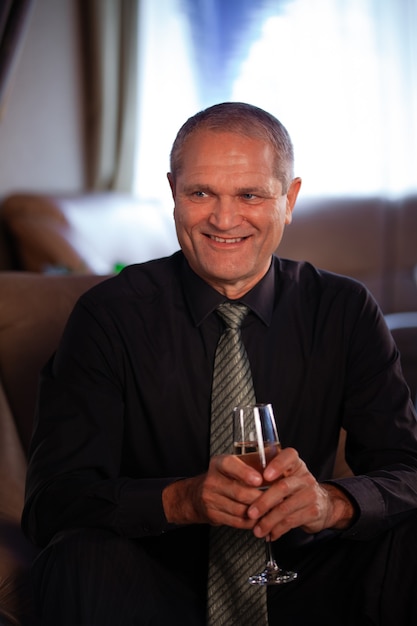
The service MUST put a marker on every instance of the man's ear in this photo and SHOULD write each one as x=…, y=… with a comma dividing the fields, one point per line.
x=292, y=194
x=171, y=183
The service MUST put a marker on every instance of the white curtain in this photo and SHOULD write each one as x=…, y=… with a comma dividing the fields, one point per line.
x=340, y=74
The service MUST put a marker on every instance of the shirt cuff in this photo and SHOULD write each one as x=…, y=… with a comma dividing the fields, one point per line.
x=141, y=512
x=369, y=504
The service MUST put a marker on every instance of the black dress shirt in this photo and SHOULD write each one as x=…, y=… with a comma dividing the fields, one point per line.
x=124, y=406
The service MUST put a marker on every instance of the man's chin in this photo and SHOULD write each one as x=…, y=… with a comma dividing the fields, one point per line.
x=232, y=283
x=228, y=276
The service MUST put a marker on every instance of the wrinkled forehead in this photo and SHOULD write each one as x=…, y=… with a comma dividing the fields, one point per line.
x=208, y=141
x=232, y=152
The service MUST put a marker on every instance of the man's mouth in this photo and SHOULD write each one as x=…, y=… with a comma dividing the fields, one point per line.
x=229, y=240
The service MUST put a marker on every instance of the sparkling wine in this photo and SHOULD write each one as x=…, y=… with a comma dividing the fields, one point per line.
x=251, y=455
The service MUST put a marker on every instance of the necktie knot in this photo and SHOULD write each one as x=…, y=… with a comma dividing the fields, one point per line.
x=232, y=314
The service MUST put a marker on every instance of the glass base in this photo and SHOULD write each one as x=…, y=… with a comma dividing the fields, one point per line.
x=272, y=575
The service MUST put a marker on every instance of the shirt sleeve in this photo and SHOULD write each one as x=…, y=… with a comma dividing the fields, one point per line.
x=74, y=474
x=381, y=425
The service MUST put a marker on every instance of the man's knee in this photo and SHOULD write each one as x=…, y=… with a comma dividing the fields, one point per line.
x=101, y=578
x=83, y=551
x=93, y=577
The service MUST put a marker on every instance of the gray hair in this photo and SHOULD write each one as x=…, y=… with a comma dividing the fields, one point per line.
x=244, y=119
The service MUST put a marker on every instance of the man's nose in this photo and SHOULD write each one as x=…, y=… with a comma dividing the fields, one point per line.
x=225, y=213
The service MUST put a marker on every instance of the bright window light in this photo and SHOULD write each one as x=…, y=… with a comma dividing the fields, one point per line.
x=341, y=76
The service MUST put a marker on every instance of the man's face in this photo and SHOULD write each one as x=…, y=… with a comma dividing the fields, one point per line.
x=229, y=209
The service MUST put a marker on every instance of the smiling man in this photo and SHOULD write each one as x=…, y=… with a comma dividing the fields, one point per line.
x=123, y=493
x=230, y=207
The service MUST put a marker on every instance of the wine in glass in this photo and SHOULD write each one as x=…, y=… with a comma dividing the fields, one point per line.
x=256, y=442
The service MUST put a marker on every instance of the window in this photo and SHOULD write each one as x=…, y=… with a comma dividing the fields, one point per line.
x=340, y=74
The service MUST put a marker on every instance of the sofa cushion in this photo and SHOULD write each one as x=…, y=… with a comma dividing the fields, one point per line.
x=16, y=553
x=12, y=466
x=33, y=311
x=403, y=274
x=342, y=235
x=87, y=233
x=403, y=327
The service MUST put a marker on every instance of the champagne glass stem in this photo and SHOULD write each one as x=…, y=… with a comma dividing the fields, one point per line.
x=270, y=560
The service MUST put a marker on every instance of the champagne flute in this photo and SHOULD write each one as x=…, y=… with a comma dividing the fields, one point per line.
x=256, y=442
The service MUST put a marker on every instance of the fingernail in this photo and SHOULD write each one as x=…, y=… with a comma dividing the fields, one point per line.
x=255, y=480
x=258, y=532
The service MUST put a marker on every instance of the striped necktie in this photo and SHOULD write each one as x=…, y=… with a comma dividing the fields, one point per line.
x=234, y=554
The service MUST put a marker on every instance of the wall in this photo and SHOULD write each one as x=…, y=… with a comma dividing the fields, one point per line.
x=41, y=131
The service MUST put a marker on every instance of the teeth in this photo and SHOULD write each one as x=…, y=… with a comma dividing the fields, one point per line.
x=221, y=240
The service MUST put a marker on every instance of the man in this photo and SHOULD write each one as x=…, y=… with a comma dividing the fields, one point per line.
x=121, y=489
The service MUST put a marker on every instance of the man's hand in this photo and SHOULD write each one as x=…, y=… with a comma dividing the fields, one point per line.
x=222, y=496
x=229, y=494
x=296, y=500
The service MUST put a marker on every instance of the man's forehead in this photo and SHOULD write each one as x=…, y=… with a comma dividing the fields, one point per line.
x=217, y=134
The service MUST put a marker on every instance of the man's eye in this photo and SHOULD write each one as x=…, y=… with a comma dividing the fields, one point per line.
x=199, y=194
x=248, y=196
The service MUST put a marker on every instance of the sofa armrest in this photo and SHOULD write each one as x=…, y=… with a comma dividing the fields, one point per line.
x=403, y=327
x=86, y=233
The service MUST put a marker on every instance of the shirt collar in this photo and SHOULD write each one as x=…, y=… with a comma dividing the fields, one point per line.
x=203, y=299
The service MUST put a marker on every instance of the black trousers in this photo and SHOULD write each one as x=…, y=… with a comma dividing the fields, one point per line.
x=95, y=578
x=344, y=582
